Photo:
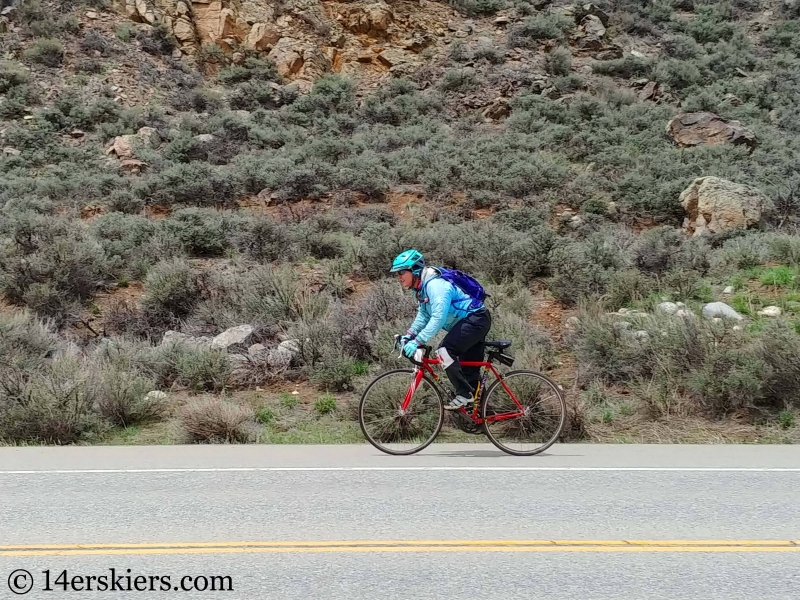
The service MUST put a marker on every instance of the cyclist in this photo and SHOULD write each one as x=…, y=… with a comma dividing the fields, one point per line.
x=443, y=305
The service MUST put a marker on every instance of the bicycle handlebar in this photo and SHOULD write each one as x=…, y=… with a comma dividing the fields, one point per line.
x=427, y=350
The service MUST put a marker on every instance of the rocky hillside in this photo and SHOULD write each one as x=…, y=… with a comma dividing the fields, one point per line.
x=203, y=197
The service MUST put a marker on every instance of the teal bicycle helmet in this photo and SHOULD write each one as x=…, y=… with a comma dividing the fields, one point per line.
x=410, y=260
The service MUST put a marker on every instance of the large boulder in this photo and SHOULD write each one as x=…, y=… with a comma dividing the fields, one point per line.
x=721, y=310
x=708, y=129
x=590, y=34
x=123, y=146
x=372, y=19
x=288, y=61
x=234, y=336
x=714, y=205
x=262, y=37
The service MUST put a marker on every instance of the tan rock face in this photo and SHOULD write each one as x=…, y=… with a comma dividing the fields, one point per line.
x=307, y=38
x=371, y=19
x=708, y=129
x=714, y=205
x=262, y=36
x=288, y=61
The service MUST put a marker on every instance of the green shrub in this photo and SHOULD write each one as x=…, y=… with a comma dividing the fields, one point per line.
x=681, y=47
x=25, y=341
x=263, y=240
x=558, y=61
x=712, y=24
x=201, y=231
x=94, y=41
x=458, y=80
x=678, y=74
x=17, y=100
x=171, y=291
x=252, y=68
x=547, y=26
x=786, y=419
x=53, y=405
x=488, y=53
x=125, y=31
x=474, y=8
x=781, y=276
x=265, y=415
x=253, y=95
x=334, y=370
x=203, y=369
x=11, y=75
x=50, y=265
x=157, y=40
x=325, y=404
x=122, y=236
x=627, y=67
x=287, y=400
x=123, y=401
x=47, y=52
x=627, y=287
x=214, y=421
x=193, y=184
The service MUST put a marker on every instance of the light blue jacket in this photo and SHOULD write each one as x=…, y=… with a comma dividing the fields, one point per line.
x=441, y=305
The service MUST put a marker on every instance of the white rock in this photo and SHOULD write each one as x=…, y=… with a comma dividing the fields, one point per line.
x=669, y=308
x=680, y=304
x=292, y=346
x=280, y=358
x=257, y=351
x=717, y=320
x=572, y=323
x=641, y=335
x=737, y=327
x=176, y=337
x=156, y=396
x=720, y=309
x=205, y=138
x=682, y=312
x=728, y=290
x=771, y=311
x=232, y=337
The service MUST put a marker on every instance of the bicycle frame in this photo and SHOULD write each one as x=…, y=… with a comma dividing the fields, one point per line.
x=427, y=363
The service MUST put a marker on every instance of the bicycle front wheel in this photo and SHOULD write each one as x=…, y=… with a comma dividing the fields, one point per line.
x=390, y=428
x=526, y=415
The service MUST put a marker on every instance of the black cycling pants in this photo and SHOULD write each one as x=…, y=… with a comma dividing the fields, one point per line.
x=465, y=342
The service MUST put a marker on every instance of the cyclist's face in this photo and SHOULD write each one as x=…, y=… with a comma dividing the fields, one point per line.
x=406, y=279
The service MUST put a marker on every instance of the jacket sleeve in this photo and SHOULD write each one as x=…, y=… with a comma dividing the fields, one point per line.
x=419, y=322
x=439, y=295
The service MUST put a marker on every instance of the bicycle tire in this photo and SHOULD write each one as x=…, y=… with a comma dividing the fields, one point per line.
x=487, y=406
x=376, y=443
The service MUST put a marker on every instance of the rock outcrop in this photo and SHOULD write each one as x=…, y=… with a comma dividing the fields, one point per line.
x=714, y=205
x=708, y=129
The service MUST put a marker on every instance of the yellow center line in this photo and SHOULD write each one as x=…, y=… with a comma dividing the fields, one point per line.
x=404, y=546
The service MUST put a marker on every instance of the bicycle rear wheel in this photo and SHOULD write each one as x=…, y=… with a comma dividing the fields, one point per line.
x=392, y=430
x=533, y=422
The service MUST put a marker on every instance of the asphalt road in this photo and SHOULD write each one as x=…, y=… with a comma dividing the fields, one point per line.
x=457, y=521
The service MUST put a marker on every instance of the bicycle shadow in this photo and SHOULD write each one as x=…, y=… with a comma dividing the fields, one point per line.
x=494, y=454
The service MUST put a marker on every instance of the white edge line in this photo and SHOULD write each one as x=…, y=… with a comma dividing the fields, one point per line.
x=339, y=469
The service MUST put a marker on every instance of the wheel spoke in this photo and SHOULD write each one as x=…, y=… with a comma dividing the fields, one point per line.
x=543, y=415
x=391, y=429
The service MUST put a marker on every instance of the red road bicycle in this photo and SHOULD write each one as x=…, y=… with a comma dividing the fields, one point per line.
x=521, y=412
